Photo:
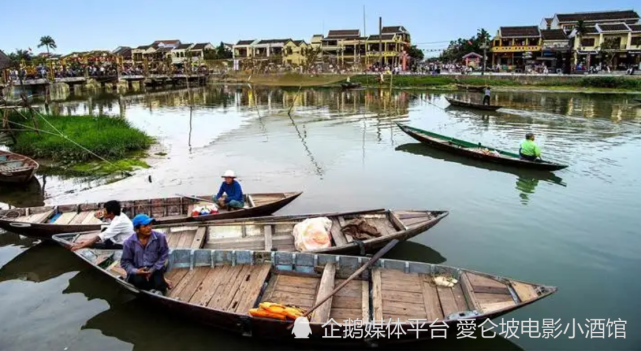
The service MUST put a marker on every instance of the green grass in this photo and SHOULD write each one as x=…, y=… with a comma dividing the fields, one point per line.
x=98, y=168
x=409, y=81
x=112, y=138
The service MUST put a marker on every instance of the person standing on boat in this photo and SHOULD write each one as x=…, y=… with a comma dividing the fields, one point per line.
x=116, y=233
x=486, y=97
x=529, y=150
x=144, y=256
x=233, y=197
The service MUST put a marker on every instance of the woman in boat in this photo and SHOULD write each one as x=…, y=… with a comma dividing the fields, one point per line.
x=116, y=233
x=529, y=150
x=233, y=197
x=144, y=256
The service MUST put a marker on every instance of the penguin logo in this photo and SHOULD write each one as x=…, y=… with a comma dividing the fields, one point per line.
x=301, y=328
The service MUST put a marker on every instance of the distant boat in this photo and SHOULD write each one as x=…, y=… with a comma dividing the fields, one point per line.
x=477, y=151
x=15, y=168
x=350, y=85
x=475, y=88
x=473, y=105
x=219, y=288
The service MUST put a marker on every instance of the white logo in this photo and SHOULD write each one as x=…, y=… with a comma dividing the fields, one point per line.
x=301, y=328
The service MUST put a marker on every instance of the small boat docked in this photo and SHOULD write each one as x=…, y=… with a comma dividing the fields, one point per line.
x=220, y=287
x=275, y=232
x=475, y=88
x=477, y=151
x=15, y=168
x=347, y=85
x=460, y=103
x=45, y=221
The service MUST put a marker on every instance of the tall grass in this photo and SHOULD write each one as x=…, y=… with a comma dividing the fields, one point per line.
x=109, y=137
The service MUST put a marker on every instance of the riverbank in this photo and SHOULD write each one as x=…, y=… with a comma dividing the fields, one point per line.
x=553, y=83
x=121, y=146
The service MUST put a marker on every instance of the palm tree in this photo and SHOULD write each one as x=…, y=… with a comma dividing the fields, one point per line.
x=48, y=43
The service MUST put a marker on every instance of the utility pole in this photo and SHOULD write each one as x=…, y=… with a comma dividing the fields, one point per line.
x=484, y=47
x=364, y=25
x=380, y=38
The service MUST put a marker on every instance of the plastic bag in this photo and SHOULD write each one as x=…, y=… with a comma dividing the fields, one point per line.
x=202, y=209
x=312, y=234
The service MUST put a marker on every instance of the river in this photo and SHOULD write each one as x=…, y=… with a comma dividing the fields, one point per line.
x=573, y=229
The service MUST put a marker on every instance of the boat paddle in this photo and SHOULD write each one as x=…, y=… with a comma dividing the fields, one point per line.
x=368, y=264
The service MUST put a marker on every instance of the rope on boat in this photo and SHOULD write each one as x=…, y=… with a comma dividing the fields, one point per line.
x=294, y=102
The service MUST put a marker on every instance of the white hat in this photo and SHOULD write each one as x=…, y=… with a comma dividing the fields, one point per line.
x=229, y=174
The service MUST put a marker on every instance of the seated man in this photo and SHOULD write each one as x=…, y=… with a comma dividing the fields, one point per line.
x=234, y=197
x=144, y=256
x=116, y=233
x=529, y=150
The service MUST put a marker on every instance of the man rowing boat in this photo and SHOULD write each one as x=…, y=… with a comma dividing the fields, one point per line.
x=233, y=193
x=529, y=150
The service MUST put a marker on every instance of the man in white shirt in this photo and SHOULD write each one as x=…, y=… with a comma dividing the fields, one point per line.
x=486, y=97
x=116, y=233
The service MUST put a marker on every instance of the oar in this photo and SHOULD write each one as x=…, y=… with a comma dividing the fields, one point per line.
x=369, y=263
x=194, y=198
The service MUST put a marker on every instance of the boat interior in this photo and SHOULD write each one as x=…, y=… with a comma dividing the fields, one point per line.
x=165, y=208
x=10, y=162
x=269, y=234
x=236, y=281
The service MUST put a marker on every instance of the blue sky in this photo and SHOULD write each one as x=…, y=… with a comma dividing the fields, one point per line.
x=93, y=24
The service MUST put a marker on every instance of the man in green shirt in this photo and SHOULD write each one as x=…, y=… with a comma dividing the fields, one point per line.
x=529, y=150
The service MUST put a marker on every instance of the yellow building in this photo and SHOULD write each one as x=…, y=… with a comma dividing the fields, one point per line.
x=294, y=52
x=395, y=40
x=515, y=48
x=620, y=41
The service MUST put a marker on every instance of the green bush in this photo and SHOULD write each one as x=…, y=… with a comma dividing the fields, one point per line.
x=109, y=137
x=611, y=82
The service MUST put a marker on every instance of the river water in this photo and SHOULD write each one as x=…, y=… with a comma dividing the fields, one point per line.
x=573, y=229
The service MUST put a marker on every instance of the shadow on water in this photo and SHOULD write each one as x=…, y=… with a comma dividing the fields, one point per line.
x=526, y=182
x=30, y=194
x=413, y=251
x=40, y=263
x=11, y=239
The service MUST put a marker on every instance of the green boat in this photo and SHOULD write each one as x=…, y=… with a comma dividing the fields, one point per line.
x=477, y=151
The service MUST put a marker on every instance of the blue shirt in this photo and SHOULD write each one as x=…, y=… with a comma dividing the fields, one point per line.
x=233, y=191
x=153, y=256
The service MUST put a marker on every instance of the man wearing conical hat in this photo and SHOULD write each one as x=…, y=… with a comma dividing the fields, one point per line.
x=230, y=195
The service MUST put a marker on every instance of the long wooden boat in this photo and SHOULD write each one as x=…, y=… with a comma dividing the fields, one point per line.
x=350, y=85
x=16, y=168
x=219, y=287
x=460, y=103
x=275, y=232
x=477, y=151
x=475, y=88
x=45, y=221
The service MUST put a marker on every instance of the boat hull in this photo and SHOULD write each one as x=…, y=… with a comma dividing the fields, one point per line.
x=22, y=168
x=512, y=162
x=474, y=106
x=47, y=230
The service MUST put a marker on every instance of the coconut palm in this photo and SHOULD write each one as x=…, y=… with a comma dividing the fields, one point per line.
x=48, y=43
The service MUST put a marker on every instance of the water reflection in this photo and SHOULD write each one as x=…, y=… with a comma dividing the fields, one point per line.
x=527, y=180
x=30, y=194
x=413, y=251
x=11, y=239
x=40, y=263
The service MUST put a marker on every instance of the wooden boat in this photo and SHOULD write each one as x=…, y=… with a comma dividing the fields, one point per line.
x=45, y=221
x=219, y=287
x=460, y=103
x=16, y=168
x=350, y=85
x=475, y=88
x=275, y=232
x=477, y=151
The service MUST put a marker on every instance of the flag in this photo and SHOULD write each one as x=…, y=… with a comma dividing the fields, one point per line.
x=30, y=49
x=470, y=42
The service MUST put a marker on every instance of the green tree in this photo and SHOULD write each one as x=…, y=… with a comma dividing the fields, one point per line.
x=608, y=48
x=415, y=53
x=48, y=43
x=18, y=56
x=460, y=47
x=222, y=52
